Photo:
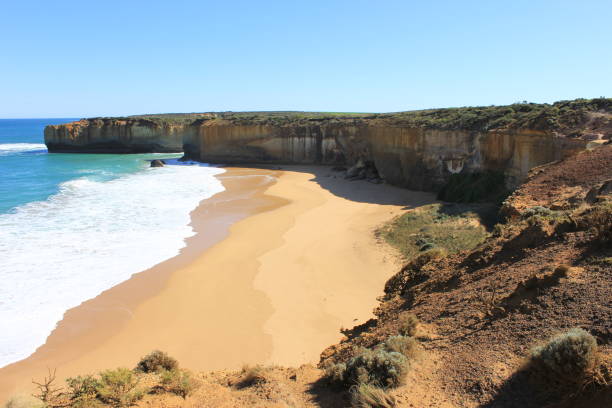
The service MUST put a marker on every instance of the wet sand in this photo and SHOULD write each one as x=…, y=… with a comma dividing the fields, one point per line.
x=280, y=262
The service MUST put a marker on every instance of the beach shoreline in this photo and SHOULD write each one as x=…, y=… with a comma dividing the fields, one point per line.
x=281, y=260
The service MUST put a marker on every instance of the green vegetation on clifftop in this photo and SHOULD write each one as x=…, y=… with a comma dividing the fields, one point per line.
x=556, y=116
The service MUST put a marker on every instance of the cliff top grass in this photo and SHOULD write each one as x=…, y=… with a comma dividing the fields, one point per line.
x=562, y=115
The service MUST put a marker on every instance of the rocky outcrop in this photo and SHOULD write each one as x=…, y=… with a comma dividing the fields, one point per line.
x=584, y=179
x=412, y=157
x=157, y=163
x=108, y=135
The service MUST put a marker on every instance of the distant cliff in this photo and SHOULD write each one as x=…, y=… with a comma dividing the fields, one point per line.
x=110, y=135
x=418, y=150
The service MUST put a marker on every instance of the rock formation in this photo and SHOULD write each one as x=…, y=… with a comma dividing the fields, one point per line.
x=108, y=135
x=418, y=150
x=157, y=163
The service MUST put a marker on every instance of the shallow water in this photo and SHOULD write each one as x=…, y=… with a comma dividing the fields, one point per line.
x=74, y=225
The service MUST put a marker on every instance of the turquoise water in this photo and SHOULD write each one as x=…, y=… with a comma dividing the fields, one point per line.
x=29, y=173
x=74, y=225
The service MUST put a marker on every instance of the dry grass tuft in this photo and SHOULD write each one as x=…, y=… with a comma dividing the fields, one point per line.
x=336, y=373
x=408, y=346
x=252, y=375
x=408, y=324
x=370, y=396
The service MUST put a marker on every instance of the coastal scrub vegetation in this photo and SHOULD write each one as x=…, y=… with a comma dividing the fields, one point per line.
x=156, y=373
x=156, y=361
x=488, y=186
x=377, y=366
x=119, y=388
x=371, y=373
x=559, y=115
x=449, y=227
x=562, y=114
x=567, y=361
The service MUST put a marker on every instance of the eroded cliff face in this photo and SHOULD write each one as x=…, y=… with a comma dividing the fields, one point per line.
x=108, y=135
x=415, y=158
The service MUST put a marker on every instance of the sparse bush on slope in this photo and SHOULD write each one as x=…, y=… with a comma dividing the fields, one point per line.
x=567, y=358
x=119, y=388
x=408, y=324
x=156, y=361
x=177, y=381
x=83, y=391
x=408, y=346
x=379, y=367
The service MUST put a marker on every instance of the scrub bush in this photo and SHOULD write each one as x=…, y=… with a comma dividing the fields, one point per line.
x=408, y=346
x=156, y=361
x=379, y=367
x=119, y=388
x=567, y=358
x=178, y=382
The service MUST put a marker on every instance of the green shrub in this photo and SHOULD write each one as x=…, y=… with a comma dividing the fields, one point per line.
x=83, y=391
x=538, y=210
x=156, y=361
x=408, y=324
x=475, y=187
x=567, y=357
x=599, y=220
x=408, y=346
x=177, y=381
x=370, y=396
x=119, y=388
x=378, y=367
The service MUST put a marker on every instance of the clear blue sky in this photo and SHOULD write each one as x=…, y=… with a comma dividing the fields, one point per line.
x=91, y=58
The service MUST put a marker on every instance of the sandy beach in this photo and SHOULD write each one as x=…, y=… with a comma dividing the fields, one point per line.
x=282, y=260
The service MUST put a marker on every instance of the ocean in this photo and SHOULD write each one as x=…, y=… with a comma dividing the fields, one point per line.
x=74, y=225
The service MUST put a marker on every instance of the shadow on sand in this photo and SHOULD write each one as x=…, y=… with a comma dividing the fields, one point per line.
x=356, y=190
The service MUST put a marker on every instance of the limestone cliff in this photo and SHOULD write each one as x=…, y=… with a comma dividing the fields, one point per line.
x=416, y=158
x=115, y=135
x=418, y=150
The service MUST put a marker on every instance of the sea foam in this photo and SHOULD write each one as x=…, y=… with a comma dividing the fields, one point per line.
x=12, y=148
x=92, y=235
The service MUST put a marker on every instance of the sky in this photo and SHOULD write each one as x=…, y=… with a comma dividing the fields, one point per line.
x=107, y=58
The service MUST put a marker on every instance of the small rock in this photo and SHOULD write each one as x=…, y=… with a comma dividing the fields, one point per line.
x=157, y=163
